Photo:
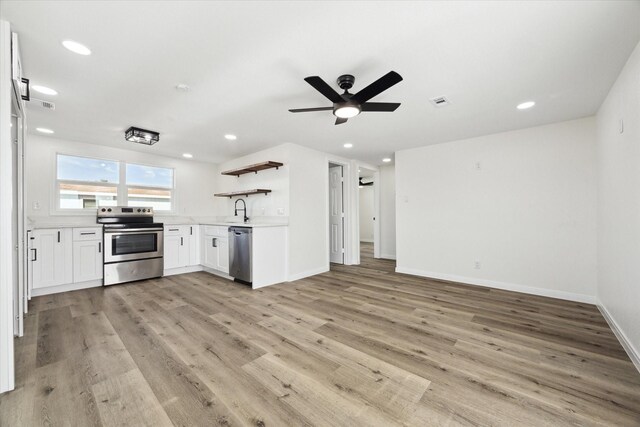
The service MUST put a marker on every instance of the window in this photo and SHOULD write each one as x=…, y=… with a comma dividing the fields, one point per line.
x=149, y=186
x=85, y=183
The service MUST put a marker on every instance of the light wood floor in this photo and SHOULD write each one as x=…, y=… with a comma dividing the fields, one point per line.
x=354, y=346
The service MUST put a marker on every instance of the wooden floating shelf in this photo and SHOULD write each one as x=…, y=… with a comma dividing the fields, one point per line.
x=243, y=193
x=253, y=168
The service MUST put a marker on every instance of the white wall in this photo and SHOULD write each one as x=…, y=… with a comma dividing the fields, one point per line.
x=300, y=189
x=521, y=203
x=366, y=213
x=619, y=205
x=194, y=180
x=387, y=185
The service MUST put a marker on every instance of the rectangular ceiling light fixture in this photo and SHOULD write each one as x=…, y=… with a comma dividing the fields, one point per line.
x=141, y=136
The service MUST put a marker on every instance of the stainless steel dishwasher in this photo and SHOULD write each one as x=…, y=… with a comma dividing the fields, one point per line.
x=240, y=247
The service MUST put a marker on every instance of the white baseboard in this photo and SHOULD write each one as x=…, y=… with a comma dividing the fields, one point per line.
x=36, y=292
x=216, y=272
x=388, y=256
x=501, y=285
x=182, y=270
x=308, y=273
x=366, y=240
x=632, y=352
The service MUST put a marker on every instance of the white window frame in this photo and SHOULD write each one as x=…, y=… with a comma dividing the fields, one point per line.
x=122, y=189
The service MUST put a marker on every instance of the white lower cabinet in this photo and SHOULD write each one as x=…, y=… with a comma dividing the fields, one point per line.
x=87, y=260
x=215, y=248
x=50, y=257
x=181, y=248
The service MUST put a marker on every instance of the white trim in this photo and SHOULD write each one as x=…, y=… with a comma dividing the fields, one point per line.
x=366, y=240
x=632, y=352
x=182, y=270
x=308, y=273
x=388, y=256
x=7, y=373
x=216, y=273
x=37, y=292
x=589, y=299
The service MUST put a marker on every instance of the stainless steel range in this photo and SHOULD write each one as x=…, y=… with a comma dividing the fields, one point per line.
x=133, y=244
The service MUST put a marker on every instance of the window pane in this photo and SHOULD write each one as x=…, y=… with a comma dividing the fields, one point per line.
x=85, y=169
x=85, y=196
x=159, y=200
x=149, y=176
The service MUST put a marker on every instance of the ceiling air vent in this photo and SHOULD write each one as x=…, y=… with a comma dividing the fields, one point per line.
x=46, y=104
x=439, y=101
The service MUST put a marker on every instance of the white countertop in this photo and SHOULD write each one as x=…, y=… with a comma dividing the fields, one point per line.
x=90, y=221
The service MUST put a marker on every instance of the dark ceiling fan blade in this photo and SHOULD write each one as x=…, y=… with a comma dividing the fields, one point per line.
x=340, y=120
x=304, y=110
x=322, y=87
x=379, y=106
x=377, y=87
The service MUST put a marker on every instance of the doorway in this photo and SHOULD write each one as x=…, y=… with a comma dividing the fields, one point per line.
x=367, y=217
x=336, y=213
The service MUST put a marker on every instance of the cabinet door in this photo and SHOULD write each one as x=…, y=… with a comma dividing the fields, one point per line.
x=87, y=260
x=210, y=251
x=51, y=258
x=172, y=251
x=223, y=255
x=194, y=244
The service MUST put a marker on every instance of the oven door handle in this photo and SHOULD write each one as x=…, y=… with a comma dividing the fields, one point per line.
x=133, y=231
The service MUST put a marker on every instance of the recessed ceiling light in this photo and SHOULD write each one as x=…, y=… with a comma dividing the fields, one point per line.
x=230, y=137
x=386, y=160
x=76, y=47
x=44, y=90
x=348, y=145
x=187, y=155
x=181, y=87
x=44, y=130
x=525, y=105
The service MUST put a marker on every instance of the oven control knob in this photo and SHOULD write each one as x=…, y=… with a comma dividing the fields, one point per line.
x=104, y=210
x=109, y=210
x=138, y=210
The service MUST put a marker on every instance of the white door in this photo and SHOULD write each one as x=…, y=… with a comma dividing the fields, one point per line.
x=87, y=260
x=176, y=252
x=194, y=244
x=336, y=215
x=223, y=255
x=51, y=258
x=210, y=251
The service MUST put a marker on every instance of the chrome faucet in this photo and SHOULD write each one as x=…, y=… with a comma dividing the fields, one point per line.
x=246, y=218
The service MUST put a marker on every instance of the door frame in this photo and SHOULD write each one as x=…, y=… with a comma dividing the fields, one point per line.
x=347, y=206
x=376, y=212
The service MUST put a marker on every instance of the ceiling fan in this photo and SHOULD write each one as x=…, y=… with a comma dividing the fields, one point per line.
x=348, y=104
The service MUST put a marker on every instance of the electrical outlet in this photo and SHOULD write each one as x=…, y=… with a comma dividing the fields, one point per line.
x=478, y=166
x=36, y=206
x=280, y=211
x=477, y=265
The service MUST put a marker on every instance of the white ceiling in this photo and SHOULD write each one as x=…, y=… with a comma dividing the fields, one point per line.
x=245, y=63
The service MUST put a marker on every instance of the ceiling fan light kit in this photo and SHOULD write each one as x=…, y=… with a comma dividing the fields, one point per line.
x=349, y=105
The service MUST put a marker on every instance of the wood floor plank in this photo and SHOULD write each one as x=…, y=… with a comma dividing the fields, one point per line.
x=358, y=345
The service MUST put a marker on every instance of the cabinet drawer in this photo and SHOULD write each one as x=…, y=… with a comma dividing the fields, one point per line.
x=88, y=233
x=173, y=230
x=215, y=230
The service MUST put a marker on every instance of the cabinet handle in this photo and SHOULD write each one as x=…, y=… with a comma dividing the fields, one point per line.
x=181, y=241
x=99, y=247
x=214, y=242
x=58, y=237
x=35, y=254
x=191, y=231
x=173, y=229
x=83, y=234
